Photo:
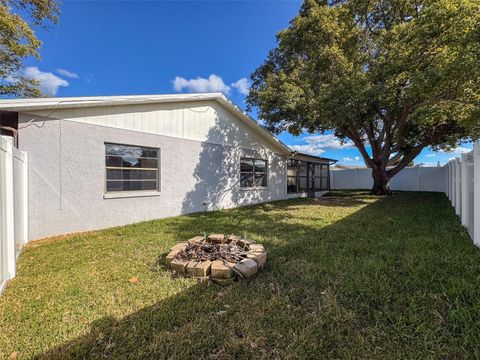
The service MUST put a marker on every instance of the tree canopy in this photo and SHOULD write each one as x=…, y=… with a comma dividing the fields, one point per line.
x=393, y=76
x=18, y=41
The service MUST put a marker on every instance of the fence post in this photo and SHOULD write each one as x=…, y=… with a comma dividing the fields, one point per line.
x=446, y=179
x=447, y=182
x=417, y=178
x=476, y=194
x=454, y=182
x=25, y=198
x=464, y=190
x=458, y=187
x=8, y=202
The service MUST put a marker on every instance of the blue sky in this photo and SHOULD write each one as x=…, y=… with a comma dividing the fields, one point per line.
x=154, y=47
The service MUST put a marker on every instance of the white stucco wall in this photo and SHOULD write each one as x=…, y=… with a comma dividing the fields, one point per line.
x=67, y=171
x=192, y=120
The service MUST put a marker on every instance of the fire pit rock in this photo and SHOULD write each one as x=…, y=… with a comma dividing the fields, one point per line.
x=218, y=257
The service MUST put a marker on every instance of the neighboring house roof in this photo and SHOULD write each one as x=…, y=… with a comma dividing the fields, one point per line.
x=347, y=167
x=304, y=156
x=25, y=105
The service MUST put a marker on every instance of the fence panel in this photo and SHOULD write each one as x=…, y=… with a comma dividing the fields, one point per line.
x=409, y=179
x=463, y=190
x=467, y=191
x=452, y=200
x=448, y=191
x=458, y=187
x=470, y=194
x=405, y=180
x=450, y=182
x=7, y=239
x=20, y=191
x=476, y=194
x=3, y=232
x=13, y=207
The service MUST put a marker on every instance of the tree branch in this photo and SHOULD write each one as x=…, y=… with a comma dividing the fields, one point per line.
x=395, y=158
x=353, y=135
x=371, y=139
x=407, y=159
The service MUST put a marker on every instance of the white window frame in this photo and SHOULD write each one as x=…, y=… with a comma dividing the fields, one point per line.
x=240, y=173
x=131, y=193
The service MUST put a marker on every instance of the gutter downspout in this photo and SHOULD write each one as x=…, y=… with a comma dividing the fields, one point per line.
x=15, y=134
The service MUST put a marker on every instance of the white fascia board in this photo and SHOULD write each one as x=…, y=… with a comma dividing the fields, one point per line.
x=89, y=101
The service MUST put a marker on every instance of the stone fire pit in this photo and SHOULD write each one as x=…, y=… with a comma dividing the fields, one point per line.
x=221, y=258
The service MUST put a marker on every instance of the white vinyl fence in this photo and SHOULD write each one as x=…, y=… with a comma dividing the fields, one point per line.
x=463, y=190
x=13, y=207
x=409, y=179
x=459, y=179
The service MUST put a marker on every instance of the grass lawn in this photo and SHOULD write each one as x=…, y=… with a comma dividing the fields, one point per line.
x=348, y=276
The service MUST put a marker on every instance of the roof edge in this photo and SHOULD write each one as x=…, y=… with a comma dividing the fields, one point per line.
x=25, y=105
x=305, y=155
x=253, y=123
x=86, y=101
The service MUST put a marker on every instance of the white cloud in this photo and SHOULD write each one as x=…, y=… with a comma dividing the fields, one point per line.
x=349, y=159
x=242, y=86
x=48, y=82
x=327, y=141
x=459, y=150
x=307, y=149
x=318, y=144
x=67, y=73
x=214, y=83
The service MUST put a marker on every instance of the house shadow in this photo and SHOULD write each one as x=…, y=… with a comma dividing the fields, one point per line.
x=216, y=176
x=325, y=292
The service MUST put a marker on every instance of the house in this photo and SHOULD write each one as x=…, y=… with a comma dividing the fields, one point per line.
x=347, y=167
x=98, y=162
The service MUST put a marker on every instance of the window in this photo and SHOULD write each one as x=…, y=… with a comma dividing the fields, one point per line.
x=253, y=172
x=131, y=168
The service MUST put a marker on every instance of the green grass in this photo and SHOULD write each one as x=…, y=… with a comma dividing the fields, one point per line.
x=348, y=276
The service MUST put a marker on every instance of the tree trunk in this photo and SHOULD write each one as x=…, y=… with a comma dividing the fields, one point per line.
x=380, y=183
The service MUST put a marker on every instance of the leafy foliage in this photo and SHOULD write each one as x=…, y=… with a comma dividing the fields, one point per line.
x=398, y=75
x=18, y=41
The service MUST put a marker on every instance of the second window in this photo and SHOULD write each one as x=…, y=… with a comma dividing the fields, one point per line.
x=253, y=172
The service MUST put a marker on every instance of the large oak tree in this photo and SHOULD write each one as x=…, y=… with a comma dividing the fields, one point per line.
x=393, y=76
x=18, y=41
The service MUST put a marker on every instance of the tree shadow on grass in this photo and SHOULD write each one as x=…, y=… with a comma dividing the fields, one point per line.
x=399, y=286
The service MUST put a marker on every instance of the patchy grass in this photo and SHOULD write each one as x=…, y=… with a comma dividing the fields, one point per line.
x=348, y=276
